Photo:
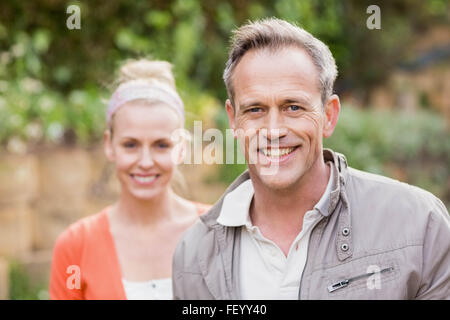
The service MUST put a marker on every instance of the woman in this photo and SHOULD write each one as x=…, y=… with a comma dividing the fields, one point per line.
x=125, y=251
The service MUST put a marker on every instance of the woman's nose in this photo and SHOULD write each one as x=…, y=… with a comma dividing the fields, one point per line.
x=146, y=159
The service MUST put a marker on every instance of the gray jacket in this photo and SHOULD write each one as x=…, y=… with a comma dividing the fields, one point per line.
x=381, y=239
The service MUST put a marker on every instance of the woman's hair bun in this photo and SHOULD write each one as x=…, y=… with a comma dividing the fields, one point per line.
x=150, y=70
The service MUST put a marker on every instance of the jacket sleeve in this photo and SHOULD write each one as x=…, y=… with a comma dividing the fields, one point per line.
x=435, y=278
x=65, y=268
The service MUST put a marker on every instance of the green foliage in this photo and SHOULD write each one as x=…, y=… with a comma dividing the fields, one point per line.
x=409, y=146
x=31, y=113
x=371, y=137
x=21, y=286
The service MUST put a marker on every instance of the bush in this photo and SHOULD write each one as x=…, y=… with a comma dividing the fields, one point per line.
x=21, y=286
x=414, y=147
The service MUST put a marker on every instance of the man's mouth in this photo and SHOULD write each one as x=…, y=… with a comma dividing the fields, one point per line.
x=278, y=154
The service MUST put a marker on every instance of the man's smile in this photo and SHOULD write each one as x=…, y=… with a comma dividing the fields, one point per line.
x=279, y=154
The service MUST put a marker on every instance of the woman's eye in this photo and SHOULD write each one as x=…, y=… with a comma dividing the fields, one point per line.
x=163, y=145
x=129, y=145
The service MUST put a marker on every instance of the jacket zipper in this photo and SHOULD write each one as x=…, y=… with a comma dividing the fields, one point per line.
x=346, y=282
x=307, y=256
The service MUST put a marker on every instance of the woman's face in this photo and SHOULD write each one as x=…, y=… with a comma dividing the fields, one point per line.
x=142, y=149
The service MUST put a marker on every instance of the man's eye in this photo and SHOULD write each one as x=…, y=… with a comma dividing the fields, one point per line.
x=294, y=107
x=254, y=110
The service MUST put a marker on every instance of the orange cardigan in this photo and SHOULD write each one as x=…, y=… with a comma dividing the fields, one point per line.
x=85, y=263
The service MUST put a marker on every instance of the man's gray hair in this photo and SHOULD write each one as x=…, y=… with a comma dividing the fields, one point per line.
x=273, y=33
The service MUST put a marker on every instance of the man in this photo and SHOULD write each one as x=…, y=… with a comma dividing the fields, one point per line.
x=312, y=228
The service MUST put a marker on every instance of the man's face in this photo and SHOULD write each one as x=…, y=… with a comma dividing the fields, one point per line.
x=278, y=104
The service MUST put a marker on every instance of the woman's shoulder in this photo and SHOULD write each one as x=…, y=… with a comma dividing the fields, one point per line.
x=76, y=234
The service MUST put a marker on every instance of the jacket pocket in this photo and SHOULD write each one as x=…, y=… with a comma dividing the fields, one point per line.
x=372, y=275
x=363, y=279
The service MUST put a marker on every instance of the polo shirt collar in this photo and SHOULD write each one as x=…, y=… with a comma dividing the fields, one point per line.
x=236, y=206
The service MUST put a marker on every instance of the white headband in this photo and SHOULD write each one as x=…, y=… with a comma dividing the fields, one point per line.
x=141, y=89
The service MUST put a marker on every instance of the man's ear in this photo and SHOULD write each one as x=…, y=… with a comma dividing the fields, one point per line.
x=332, y=109
x=107, y=145
x=230, y=112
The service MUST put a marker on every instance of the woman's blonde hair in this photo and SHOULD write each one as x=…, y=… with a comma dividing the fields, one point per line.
x=149, y=70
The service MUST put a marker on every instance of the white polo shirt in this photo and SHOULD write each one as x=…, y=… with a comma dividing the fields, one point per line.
x=265, y=272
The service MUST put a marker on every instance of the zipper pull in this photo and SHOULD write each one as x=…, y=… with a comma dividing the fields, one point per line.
x=345, y=282
x=338, y=285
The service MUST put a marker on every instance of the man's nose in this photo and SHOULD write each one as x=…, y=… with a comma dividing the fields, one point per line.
x=274, y=128
x=146, y=159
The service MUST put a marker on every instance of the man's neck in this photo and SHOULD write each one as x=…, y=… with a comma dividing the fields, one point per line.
x=280, y=208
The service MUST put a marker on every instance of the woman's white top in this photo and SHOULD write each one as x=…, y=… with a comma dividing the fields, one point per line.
x=159, y=289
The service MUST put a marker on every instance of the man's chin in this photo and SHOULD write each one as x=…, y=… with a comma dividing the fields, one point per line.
x=276, y=180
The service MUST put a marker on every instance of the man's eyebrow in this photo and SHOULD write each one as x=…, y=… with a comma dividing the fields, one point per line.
x=251, y=104
x=128, y=138
x=299, y=100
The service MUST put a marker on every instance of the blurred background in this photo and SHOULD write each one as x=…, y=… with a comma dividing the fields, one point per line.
x=394, y=85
